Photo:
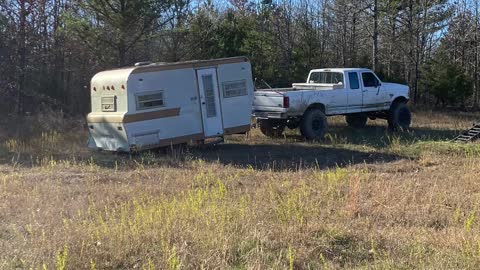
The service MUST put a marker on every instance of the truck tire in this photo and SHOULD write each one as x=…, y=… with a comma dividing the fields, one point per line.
x=271, y=128
x=314, y=124
x=356, y=120
x=399, y=117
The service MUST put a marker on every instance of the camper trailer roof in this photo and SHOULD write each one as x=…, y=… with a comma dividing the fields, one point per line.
x=105, y=78
x=187, y=64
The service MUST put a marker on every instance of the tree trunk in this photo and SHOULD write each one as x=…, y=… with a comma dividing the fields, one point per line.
x=475, y=72
x=375, y=36
x=344, y=39
x=121, y=54
x=22, y=53
x=354, y=39
x=391, y=55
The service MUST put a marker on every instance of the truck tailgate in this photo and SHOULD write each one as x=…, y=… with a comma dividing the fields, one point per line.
x=268, y=101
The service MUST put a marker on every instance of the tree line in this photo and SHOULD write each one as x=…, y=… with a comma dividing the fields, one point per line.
x=50, y=49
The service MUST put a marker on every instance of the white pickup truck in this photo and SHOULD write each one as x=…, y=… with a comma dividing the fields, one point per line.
x=356, y=93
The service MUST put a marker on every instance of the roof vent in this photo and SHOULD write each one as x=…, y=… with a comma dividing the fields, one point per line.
x=139, y=64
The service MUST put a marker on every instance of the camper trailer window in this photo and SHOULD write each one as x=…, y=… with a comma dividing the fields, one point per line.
x=234, y=88
x=150, y=100
x=209, y=89
x=108, y=104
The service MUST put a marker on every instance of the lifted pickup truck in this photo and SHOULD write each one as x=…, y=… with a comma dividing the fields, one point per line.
x=356, y=93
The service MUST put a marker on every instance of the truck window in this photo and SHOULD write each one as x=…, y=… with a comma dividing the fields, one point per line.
x=353, y=78
x=369, y=80
x=326, y=77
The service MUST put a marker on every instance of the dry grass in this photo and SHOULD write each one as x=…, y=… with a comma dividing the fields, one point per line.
x=361, y=199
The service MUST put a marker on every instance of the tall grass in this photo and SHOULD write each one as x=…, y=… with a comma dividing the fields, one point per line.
x=88, y=210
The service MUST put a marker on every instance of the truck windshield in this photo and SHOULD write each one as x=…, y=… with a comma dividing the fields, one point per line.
x=326, y=77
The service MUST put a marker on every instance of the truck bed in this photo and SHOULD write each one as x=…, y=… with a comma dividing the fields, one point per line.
x=270, y=103
x=272, y=99
x=304, y=86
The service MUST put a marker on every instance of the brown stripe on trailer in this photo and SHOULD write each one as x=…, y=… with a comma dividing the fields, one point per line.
x=237, y=130
x=132, y=118
x=188, y=64
x=138, y=117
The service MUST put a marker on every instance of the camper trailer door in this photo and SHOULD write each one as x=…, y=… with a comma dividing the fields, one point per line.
x=210, y=102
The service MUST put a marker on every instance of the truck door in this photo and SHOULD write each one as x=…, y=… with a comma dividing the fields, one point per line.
x=210, y=102
x=355, y=99
x=371, y=88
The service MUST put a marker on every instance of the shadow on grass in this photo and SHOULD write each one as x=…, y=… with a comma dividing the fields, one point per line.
x=288, y=156
x=295, y=154
x=344, y=146
x=277, y=157
x=380, y=136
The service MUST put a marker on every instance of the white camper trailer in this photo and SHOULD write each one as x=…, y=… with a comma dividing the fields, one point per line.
x=155, y=105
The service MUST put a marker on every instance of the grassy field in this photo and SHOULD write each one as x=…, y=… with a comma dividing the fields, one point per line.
x=361, y=199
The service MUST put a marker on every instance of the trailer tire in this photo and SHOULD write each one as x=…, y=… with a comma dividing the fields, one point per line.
x=356, y=120
x=399, y=117
x=314, y=124
x=271, y=128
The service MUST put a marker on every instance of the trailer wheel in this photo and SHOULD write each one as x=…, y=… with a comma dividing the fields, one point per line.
x=399, y=117
x=271, y=128
x=356, y=120
x=314, y=124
